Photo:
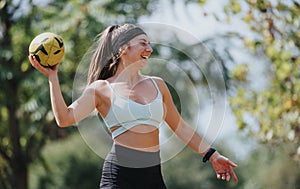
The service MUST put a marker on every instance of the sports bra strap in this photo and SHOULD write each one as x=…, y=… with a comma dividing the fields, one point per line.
x=108, y=84
x=155, y=84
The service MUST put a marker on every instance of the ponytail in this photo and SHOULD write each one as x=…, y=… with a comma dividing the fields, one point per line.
x=106, y=58
x=102, y=57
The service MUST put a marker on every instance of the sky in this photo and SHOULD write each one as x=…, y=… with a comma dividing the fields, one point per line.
x=195, y=19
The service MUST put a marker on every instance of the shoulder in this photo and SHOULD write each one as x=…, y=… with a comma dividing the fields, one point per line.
x=164, y=89
x=98, y=84
x=98, y=87
x=158, y=80
x=160, y=83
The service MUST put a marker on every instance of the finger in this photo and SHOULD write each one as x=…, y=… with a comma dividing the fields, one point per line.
x=37, y=65
x=30, y=57
x=223, y=176
x=233, y=175
x=227, y=176
x=33, y=61
x=232, y=164
x=56, y=66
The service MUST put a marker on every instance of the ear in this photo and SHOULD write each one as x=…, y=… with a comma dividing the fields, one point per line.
x=123, y=50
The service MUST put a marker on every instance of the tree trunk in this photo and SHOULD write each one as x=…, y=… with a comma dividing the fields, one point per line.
x=18, y=159
x=20, y=177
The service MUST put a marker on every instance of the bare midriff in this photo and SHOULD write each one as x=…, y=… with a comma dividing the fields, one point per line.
x=139, y=137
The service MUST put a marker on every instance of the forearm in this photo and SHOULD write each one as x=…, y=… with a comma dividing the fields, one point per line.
x=190, y=137
x=64, y=116
x=59, y=107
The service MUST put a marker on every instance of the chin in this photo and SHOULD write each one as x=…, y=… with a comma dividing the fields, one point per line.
x=144, y=64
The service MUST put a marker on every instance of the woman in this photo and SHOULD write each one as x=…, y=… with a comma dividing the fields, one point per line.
x=133, y=106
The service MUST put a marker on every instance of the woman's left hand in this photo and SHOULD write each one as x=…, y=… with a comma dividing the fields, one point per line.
x=223, y=167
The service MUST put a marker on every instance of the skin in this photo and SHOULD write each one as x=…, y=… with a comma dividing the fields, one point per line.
x=129, y=83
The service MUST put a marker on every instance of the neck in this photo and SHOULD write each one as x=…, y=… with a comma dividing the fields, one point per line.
x=129, y=74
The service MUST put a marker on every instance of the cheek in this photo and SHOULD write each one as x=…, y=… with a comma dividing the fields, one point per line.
x=135, y=53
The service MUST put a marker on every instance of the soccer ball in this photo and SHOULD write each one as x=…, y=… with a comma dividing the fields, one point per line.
x=48, y=48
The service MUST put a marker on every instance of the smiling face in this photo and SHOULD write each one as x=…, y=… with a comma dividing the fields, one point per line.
x=138, y=51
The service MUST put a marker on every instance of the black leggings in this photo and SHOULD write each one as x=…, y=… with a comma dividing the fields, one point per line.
x=126, y=168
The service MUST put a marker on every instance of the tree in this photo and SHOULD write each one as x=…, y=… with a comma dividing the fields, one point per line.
x=27, y=122
x=274, y=110
x=70, y=164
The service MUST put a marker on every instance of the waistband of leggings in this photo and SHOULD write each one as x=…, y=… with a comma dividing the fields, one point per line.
x=133, y=158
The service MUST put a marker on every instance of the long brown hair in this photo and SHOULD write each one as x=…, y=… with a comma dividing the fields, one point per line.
x=106, y=57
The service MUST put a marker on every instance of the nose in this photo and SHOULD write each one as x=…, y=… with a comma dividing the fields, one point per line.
x=149, y=48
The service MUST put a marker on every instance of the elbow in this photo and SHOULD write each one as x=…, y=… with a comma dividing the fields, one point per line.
x=64, y=120
x=63, y=123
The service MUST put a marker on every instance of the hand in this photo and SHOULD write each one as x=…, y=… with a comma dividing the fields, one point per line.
x=223, y=167
x=44, y=70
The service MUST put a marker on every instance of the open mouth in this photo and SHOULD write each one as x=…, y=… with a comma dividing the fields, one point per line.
x=145, y=57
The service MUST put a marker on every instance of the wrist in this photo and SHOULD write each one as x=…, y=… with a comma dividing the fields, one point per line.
x=52, y=77
x=210, y=152
x=214, y=156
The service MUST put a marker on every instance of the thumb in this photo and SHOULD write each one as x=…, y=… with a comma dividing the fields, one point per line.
x=234, y=165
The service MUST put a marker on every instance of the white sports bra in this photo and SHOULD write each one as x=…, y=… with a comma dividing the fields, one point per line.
x=127, y=113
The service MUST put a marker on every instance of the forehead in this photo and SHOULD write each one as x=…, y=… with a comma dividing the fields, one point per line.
x=141, y=37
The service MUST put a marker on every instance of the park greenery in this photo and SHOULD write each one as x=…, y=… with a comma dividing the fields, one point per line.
x=274, y=109
x=36, y=154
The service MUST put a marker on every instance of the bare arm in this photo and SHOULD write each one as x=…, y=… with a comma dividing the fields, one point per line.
x=186, y=133
x=222, y=165
x=78, y=110
x=67, y=115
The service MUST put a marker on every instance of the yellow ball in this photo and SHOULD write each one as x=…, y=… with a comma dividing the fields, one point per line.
x=48, y=48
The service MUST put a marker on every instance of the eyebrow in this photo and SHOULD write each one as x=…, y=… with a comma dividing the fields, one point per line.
x=142, y=39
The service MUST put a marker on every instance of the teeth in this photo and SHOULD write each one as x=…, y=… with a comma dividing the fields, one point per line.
x=145, y=57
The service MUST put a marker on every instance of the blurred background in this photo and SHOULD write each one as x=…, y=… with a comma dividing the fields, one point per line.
x=254, y=43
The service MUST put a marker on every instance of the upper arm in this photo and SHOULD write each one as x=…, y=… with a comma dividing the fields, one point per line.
x=89, y=100
x=172, y=116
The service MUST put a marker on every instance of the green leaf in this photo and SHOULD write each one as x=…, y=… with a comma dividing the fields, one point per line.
x=201, y=2
x=236, y=6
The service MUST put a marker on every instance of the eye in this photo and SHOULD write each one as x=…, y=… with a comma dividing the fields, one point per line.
x=144, y=43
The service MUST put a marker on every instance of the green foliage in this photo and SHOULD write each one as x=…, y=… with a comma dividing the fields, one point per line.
x=275, y=110
x=186, y=170
x=270, y=166
x=234, y=6
x=271, y=114
x=67, y=164
x=240, y=73
x=27, y=122
x=201, y=2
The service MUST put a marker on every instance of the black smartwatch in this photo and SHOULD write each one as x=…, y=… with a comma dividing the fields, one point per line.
x=208, y=154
